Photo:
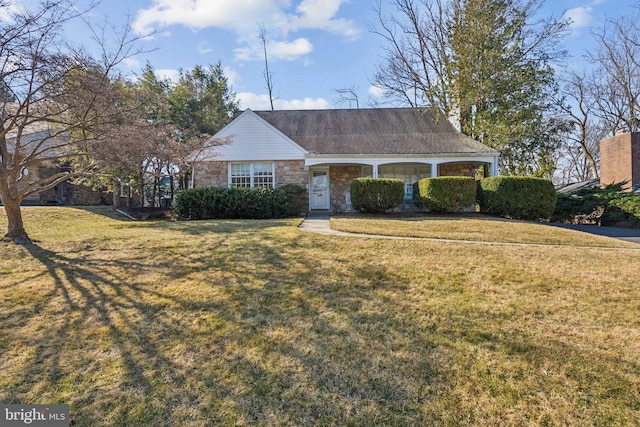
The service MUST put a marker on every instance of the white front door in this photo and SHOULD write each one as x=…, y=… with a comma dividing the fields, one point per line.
x=320, y=189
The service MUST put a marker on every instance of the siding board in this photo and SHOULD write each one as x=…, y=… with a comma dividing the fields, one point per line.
x=253, y=139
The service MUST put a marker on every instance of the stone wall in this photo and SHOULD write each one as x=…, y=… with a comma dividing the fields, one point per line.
x=291, y=172
x=210, y=174
x=340, y=178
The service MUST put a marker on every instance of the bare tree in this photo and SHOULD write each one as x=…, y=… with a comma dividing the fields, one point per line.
x=268, y=76
x=580, y=150
x=604, y=99
x=417, y=54
x=58, y=97
x=617, y=62
x=348, y=95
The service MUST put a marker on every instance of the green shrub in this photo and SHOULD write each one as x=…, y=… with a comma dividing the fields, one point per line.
x=297, y=199
x=445, y=193
x=376, y=195
x=221, y=202
x=629, y=204
x=601, y=206
x=517, y=197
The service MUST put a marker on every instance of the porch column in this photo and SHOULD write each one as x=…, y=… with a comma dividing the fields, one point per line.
x=375, y=170
x=434, y=170
x=494, y=167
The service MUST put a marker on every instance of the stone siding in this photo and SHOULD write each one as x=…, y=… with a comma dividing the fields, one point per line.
x=340, y=178
x=214, y=174
x=210, y=174
x=291, y=172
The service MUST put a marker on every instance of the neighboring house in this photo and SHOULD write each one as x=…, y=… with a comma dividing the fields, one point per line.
x=324, y=150
x=577, y=186
x=620, y=159
x=65, y=193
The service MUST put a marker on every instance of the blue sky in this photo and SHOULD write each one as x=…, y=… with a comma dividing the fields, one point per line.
x=315, y=46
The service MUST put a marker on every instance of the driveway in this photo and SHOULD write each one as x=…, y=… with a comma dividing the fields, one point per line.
x=628, y=234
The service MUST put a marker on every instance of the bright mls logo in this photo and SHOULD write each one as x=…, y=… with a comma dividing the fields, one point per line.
x=34, y=415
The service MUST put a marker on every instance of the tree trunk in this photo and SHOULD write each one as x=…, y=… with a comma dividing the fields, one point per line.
x=592, y=163
x=16, y=231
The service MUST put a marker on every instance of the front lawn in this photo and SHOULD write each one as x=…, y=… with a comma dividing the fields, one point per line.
x=471, y=227
x=257, y=323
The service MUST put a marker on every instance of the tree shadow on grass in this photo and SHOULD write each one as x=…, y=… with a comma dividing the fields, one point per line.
x=267, y=342
x=262, y=333
x=97, y=316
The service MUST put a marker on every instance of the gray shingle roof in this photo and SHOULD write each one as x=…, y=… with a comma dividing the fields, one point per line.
x=389, y=131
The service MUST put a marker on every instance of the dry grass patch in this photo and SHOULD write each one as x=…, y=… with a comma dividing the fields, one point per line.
x=472, y=227
x=257, y=323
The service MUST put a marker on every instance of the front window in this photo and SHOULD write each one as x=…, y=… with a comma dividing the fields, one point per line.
x=251, y=174
x=408, y=173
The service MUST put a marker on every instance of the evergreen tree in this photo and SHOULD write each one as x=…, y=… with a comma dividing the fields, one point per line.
x=487, y=65
x=203, y=100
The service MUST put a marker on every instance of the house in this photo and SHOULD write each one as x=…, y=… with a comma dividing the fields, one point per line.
x=324, y=150
x=620, y=159
x=63, y=193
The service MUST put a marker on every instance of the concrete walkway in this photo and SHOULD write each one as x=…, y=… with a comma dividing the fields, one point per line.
x=319, y=224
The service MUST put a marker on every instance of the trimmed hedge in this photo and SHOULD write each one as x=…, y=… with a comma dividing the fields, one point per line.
x=445, y=193
x=518, y=197
x=376, y=195
x=232, y=203
x=297, y=199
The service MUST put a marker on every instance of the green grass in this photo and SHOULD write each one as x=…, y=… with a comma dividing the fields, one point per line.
x=471, y=227
x=258, y=323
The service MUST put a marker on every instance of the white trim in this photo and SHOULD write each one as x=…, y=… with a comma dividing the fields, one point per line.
x=378, y=161
x=252, y=172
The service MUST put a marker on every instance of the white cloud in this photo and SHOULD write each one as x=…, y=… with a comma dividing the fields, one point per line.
x=232, y=75
x=581, y=17
x=278, y=17
x=166, y=73
x=8, y=10
x=198, y=14
x=131, y=62
x=376, y=91
x=320, y=14
x=302, y=104
x=242, y=16
x=261, y=102
x=288, y=51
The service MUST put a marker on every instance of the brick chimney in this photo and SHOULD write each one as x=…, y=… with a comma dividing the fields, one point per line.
x=620, y=159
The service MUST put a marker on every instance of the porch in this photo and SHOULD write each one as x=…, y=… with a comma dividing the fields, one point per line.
x=329, y=182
